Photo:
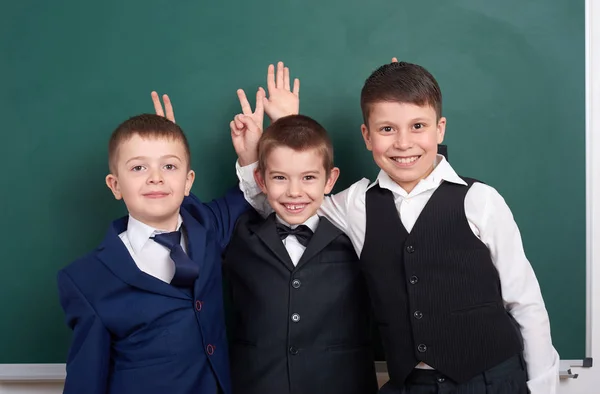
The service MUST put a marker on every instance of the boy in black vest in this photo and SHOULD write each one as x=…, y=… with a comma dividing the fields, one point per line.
x=442, y=254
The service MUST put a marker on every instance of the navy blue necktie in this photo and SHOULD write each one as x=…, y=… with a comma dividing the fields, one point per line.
x=303, y=233
x=186, y=271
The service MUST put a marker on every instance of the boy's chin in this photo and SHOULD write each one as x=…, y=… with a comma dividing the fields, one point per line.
x=299, y=218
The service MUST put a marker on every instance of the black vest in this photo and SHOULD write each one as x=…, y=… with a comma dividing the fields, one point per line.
x=297, y=330
x=435, y=292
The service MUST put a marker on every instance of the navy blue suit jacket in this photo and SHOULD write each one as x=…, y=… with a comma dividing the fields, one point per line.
x=133, y=333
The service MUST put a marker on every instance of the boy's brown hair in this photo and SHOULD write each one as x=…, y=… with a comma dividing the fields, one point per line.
x=297, y=132
x=400, y=82
x=146, y=126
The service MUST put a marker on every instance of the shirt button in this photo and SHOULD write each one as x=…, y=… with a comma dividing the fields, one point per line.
x=210, y=349
x=413, y=280
x=410, y=249
x=198, y=305
x=296, y=284
x=293, y=350
x=418, y=315
x=422, y=348
x=295, y=318
x=441, y=380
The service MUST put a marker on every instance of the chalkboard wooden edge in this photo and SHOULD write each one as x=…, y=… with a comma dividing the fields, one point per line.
x=32, y=372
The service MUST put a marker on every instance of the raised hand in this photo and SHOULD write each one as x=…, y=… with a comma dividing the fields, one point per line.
x=394, y=60
x=282, y=100
x=246, y=128
x=158, y=108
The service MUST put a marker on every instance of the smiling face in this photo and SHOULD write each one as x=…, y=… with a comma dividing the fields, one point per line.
x=404, y=138
x=295, y=182
x=151, y=175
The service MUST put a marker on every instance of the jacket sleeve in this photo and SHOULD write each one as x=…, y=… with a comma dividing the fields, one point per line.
x=220, y=214
x=89, y=354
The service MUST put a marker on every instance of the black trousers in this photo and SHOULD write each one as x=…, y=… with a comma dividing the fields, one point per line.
x=508, y=377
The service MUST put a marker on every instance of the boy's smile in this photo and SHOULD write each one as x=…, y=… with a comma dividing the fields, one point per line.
x=295, y=183
x=403, y=138
x=152, y=177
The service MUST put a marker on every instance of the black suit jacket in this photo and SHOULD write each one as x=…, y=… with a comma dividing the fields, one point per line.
x=297, y=330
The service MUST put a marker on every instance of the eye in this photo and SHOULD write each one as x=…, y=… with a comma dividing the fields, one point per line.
x=418, y=126
x=386, y=129
x=137, y=168
x=170, y=167
x=310, y=177
x=279, y=177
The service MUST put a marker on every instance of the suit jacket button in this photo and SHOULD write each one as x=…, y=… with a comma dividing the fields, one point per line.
x=414, y=280
x=199, y=305
x=296, y=284
x=418, y=315
x=210, y=349
x=295, y=318
x=293, y=350
x=410, y=249
x=422, y=348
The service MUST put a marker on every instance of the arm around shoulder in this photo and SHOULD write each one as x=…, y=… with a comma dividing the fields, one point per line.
x=89, y=355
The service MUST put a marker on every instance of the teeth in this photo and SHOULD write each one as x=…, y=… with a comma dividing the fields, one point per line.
x=405, y=160
x=294, y=207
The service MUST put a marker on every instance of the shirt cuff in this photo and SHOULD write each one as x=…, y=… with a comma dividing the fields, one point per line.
x=245, y=175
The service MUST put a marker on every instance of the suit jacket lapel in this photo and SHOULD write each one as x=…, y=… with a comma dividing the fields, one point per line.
x=325, y=233
x=267, y=232
x=114, y=254
x=196, y=247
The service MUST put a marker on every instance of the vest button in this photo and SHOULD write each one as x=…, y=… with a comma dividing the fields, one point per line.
x=410, y=249
x=295, y=318
x=413, y=280
x=441, y=379
x=296, y=284
x=422, y=348
x=293, y=350
x=418, y=315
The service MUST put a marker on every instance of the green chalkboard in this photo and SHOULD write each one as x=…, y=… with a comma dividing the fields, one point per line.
x=512, y=74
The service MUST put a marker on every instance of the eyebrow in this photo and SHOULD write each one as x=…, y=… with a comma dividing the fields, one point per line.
x=162, y=158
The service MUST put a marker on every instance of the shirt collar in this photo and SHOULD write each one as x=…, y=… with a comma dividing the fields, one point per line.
x=139, y=233
x=442, y=171
x=312, y=222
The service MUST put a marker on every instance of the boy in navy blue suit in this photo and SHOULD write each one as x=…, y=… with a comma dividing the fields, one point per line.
x=146, y=306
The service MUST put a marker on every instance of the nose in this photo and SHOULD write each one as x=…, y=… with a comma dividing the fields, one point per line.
x=155, y=177
x=403, y=141
x=294, y=189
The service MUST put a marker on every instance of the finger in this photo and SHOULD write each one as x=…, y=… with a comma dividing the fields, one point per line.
x=394, y=60
x=249, y=123
x=169, y=108
x=234, y=130
x=238, y=122
x=158, y=109
x=246, y=108
x=296, y=87
x=279, y=75
x=260, y=95
x=271, y=79
x=286, y=78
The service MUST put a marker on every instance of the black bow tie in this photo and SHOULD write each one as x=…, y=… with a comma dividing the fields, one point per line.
x=302, y=233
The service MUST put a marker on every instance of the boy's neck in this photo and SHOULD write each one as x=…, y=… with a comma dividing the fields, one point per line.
x=170, y=224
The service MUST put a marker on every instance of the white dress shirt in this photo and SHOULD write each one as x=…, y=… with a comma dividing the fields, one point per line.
x=490, y=220
x=294, y=248
x=149, y=256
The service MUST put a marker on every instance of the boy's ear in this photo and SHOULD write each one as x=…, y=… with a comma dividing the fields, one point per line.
x=333, y=177
x=260, y=180
x=113, y=184
x=366, y=136
x=441, y=130
x=189, y=181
